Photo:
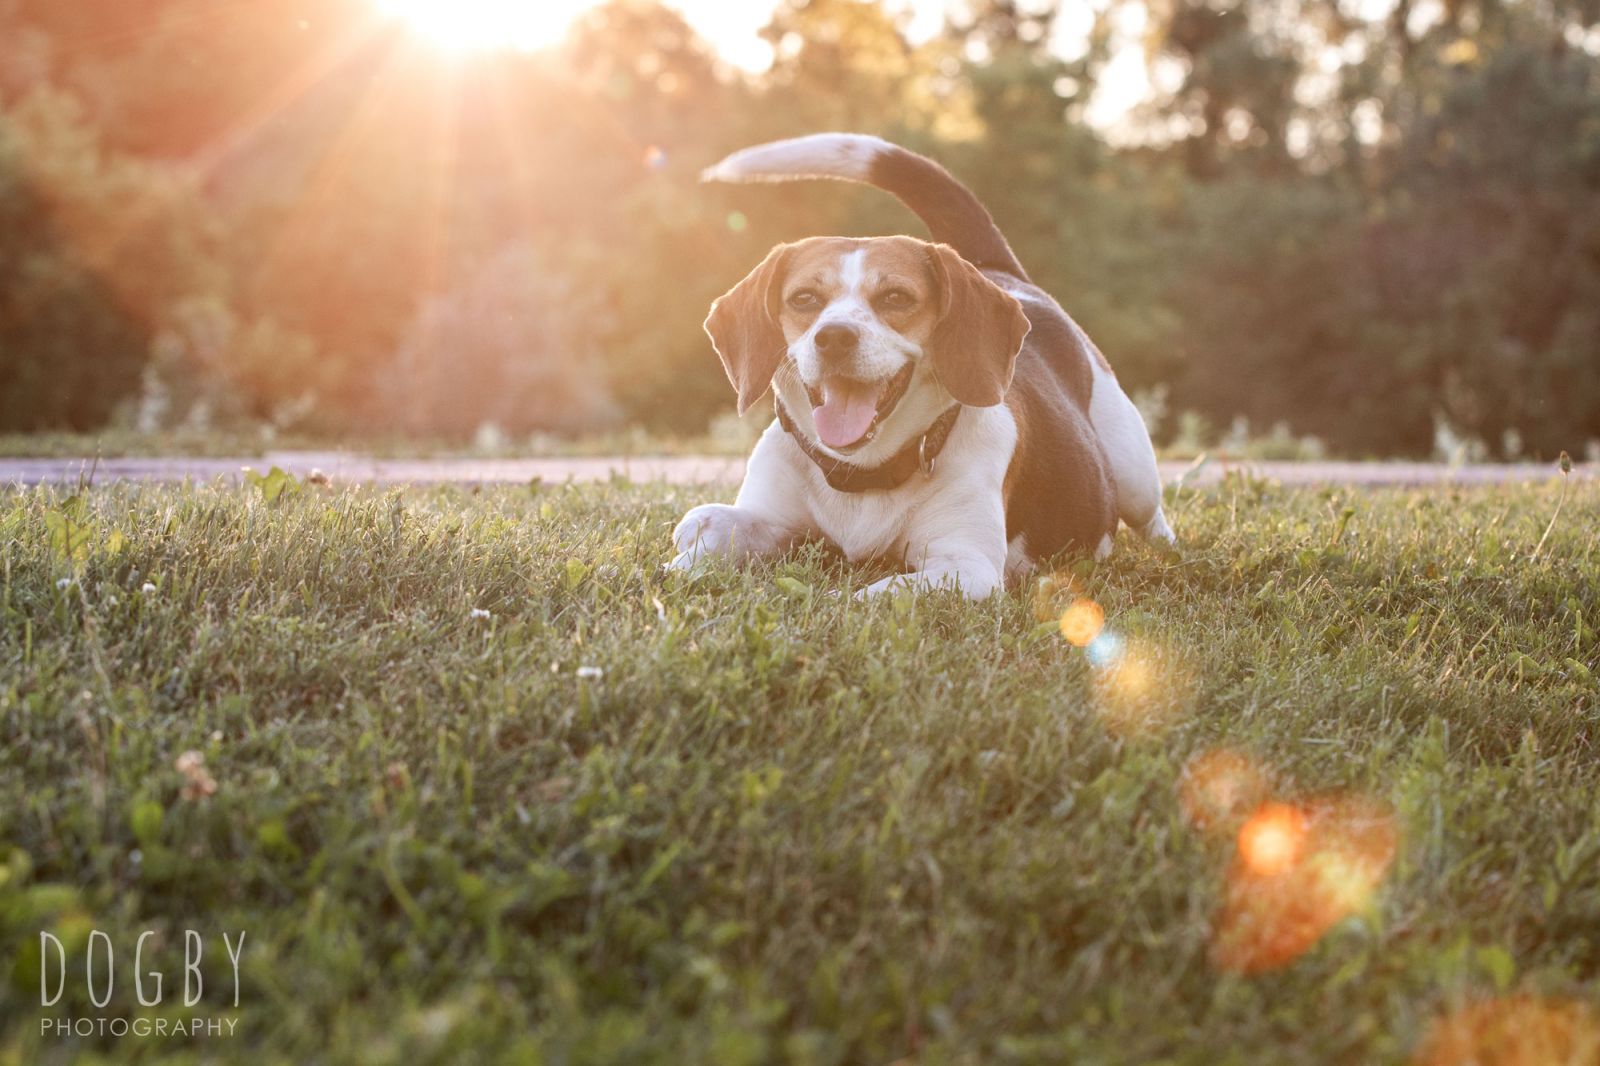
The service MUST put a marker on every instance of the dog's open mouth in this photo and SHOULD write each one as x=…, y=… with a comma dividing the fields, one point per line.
x=846, y=412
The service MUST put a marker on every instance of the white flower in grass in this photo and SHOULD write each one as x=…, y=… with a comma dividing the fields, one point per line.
x=590, y=673
x=147, y=588
x=480, y=613
x=64, y=584
x=198, y=784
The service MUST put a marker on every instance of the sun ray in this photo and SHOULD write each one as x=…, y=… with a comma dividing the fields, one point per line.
x=112, y=34
x=487, y=25
x=300, y=81
x=320, y=186
x=441, y=181
x=101, y=247
x=519, y=160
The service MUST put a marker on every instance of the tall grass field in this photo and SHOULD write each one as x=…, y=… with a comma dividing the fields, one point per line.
x=475, y=781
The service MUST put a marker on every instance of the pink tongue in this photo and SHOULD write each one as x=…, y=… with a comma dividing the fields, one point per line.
x=846, y=412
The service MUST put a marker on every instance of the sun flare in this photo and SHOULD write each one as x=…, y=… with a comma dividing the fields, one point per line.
x=487, y=25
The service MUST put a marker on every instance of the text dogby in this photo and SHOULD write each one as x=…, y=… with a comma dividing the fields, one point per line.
x=100, y=968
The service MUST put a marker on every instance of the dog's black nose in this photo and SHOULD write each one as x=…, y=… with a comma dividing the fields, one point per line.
x=836, y=342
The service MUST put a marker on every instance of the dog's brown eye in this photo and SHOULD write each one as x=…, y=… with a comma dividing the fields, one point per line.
x=896, y=300
x=804, y=300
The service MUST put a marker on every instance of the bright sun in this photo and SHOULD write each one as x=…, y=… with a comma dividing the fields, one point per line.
x=482, y=25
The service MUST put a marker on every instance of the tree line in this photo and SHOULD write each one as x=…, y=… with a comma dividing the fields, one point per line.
x=1378, y=228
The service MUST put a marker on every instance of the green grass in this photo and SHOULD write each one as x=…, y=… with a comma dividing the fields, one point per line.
x=779, y=825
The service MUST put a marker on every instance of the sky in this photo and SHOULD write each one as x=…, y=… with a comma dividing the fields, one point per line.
x=732, y=28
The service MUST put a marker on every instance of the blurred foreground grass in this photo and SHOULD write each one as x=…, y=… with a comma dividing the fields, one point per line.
x=477, y=780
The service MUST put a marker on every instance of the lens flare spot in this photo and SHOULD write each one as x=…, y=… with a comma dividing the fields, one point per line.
x=1130, y=677
x=1219, y=788
x=1137, y=687
x=1270, y=842
x=1105, y=650
x=1050, y=591
x=1298, y=870
x=737, y=222
x=1082, y=622
x=654, y=158
x=1517, y=1030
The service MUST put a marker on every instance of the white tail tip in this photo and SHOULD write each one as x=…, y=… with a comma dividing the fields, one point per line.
x=847, y=156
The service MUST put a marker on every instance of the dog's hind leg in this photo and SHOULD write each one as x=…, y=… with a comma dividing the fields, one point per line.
x=1132, y=459
x=1158, y=530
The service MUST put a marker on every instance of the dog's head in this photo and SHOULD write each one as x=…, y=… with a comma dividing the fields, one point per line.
x=863, y=324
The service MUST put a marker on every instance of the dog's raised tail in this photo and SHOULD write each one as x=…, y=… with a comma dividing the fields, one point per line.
x=952, y=214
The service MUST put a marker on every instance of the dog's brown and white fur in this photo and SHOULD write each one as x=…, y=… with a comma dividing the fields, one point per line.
x=1045, y=454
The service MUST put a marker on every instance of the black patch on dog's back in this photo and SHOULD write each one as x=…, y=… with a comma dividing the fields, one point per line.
x=1059, y=494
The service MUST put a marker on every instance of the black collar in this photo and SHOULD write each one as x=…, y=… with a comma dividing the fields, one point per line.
x=918, y=454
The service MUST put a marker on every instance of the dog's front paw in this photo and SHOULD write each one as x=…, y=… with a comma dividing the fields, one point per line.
x=707, y=521
x=705, y=530
x=720, y=529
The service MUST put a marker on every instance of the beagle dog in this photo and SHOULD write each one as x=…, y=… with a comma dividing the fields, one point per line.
x=934, y=406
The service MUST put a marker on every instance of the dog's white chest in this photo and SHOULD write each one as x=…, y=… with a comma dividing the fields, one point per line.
x=868, y=525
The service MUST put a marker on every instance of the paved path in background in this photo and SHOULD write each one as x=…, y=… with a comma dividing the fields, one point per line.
x=698, y=470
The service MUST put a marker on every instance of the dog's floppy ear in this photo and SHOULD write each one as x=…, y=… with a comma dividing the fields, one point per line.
x=979, y=333
x=743, y=326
